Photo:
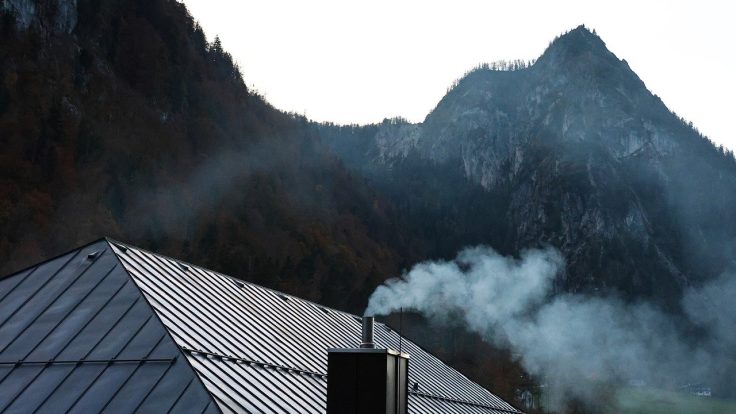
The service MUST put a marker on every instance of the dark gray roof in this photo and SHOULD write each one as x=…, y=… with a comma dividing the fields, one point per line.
x=253, y=349
x=77, y=335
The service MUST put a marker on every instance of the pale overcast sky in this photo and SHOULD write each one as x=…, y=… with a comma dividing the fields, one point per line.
x=359, y=62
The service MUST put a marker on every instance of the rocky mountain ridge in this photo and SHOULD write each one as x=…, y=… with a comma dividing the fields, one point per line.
x=472, y=121
x=587, y=159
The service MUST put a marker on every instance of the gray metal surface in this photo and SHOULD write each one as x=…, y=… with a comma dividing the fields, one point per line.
x=261, y=351
x=76, y=335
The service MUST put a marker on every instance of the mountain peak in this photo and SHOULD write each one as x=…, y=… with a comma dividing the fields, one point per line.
x=581, y=30
x=579, y=37
x=578, y=44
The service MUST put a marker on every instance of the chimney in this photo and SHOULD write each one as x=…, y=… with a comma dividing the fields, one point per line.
x=367, y=333
x=367, y=380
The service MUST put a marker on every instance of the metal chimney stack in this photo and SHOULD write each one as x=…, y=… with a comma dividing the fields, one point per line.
x=367, y=333
x=367, y=380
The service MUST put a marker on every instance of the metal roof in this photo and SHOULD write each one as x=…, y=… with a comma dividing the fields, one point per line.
x=76, y=335
x=254, y=350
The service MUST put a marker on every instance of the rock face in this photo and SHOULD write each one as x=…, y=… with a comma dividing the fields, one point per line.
x=28, y=12
x=578, y=92
x=24, y=11
x=581, y=156
x=67, y=17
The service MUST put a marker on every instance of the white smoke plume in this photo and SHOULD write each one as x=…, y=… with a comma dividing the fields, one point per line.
x=581, y=347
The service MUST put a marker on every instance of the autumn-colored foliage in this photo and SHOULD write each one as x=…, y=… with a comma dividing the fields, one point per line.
x=135, y=127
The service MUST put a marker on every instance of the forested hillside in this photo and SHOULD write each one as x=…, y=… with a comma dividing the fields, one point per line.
x=118, y=118
x=134, y=126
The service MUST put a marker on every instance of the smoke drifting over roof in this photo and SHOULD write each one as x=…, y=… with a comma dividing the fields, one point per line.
x=582, y=347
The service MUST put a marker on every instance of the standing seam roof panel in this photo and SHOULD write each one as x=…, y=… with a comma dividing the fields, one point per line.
x=77, y=333
x=112, y=328
x=267, y=351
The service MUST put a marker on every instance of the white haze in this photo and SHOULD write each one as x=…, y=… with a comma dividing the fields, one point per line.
x=580, y=346
x=353, y=61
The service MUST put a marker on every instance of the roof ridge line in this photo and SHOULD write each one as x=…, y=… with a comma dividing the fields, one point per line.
x=462, y=401
x=50, y=259
x=115, y=248
x=224, y=357
x=120, y=245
